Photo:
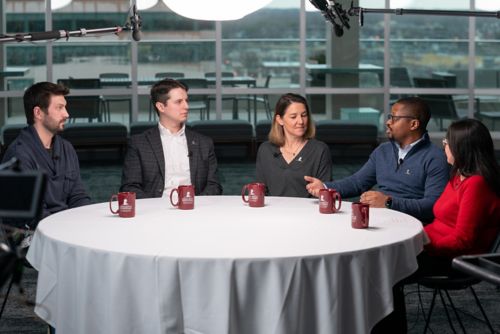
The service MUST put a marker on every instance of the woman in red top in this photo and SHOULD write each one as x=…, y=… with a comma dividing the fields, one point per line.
x=467, y=214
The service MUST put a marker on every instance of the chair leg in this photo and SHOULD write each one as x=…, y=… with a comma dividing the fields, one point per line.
x=454, y=311
x=6, y=296
x=482, y=310
x=430, y=311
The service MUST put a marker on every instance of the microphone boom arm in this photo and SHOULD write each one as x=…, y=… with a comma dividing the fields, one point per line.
x=134, y=24
x=57, y=34
x=355, y=11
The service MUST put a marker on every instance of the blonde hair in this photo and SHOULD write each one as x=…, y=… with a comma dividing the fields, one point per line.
x=277, y=135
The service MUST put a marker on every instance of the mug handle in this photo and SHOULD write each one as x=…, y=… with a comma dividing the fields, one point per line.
x=243, y=191
x=171, y=193
x=114, y=196
x=339, y=199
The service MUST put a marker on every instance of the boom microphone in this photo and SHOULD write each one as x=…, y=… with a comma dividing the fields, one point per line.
x=136, y=22
x=333, y=12
x=321, y=5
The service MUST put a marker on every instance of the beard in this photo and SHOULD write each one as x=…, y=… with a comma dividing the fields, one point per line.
x=389, y=134
x=54, y=127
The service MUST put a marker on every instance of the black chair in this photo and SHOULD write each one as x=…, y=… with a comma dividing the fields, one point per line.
x=140, y=127
x=16, y=103
x=108, y=100
x=442, y=106
x=198, y=101
x=229, y=137
x=88, y=107
x=223, y=74
x=263, y=99
x=10, y=132
x=173, y=75
x=262, y=129
x=483, y=266
x=454, y=281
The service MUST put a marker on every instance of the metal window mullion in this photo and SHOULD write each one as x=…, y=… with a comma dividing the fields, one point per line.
x=49, y=50
x=387, y=60
x=472, y=62
x=218, y=70
x=302, y=47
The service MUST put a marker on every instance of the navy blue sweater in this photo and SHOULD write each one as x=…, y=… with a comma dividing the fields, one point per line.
x=414, y=185
x=64, y=187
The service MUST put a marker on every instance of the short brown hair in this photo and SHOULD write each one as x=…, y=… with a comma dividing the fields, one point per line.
x=160, y=92
x=39, y=95
x=277, y=135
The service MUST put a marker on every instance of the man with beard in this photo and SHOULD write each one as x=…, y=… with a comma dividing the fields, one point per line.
x=39, y=147
x=410, y=172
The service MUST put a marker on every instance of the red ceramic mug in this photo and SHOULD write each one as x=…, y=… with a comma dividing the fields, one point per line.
x=360, y=215
x=256, y=194
x=327, y=199
x=126, y=204
x=185, y=197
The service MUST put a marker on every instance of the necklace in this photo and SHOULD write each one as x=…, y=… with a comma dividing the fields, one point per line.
x=294, y=152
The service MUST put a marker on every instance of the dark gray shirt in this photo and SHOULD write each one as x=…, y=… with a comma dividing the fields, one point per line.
x=283, y=179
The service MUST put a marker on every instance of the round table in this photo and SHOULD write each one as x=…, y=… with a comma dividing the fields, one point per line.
x=223, y=267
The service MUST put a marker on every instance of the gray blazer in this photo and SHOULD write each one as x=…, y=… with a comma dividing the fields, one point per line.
x=144, y=166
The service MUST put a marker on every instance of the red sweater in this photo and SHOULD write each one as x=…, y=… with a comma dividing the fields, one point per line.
x=467, y=218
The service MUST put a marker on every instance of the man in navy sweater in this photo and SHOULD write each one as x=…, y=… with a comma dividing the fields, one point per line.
x=39, y=147
x=410, y=172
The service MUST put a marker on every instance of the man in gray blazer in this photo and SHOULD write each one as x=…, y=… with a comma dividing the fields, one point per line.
x=169, y=155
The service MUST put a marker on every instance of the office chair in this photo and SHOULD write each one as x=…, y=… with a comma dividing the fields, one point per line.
x=113, y=79
x=454, y=281
x=263, y=99
x=442, y=106
x=173, y=75
x=88, y=107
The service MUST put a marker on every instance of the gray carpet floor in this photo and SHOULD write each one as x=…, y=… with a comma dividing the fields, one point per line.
x=102, y=180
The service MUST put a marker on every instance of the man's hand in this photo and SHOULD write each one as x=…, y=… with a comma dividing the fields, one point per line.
x=375, y=199
x=314, y=185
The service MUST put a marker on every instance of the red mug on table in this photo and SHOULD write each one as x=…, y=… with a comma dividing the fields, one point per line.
x=360, y=215
x=327, y=199
x=185, y=197
x=256, y=194
x=126, y=204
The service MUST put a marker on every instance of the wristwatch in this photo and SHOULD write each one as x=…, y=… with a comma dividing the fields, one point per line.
x=388, y=202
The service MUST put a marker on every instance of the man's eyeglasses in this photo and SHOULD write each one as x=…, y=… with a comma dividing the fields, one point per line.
x=445, y=142
x=395, y=118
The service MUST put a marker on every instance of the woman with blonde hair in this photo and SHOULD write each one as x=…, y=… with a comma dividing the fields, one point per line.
x=292, y=151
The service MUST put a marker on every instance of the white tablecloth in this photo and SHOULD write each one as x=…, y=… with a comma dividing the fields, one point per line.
x=221, y=268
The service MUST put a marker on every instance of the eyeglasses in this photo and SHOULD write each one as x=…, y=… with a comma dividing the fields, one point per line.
x=445, y=142
x=395, y=118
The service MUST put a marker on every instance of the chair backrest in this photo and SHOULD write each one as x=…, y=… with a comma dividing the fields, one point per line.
x=268, y=81
x=111, y=75
x=442, y=106
x=400, y=77
x=195, y=83
x=223, y=74
x=81, y=83
x=83, y=106
x=174, y=75
x=430, y=82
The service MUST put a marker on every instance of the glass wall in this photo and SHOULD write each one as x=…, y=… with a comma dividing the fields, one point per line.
x=242, y=66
